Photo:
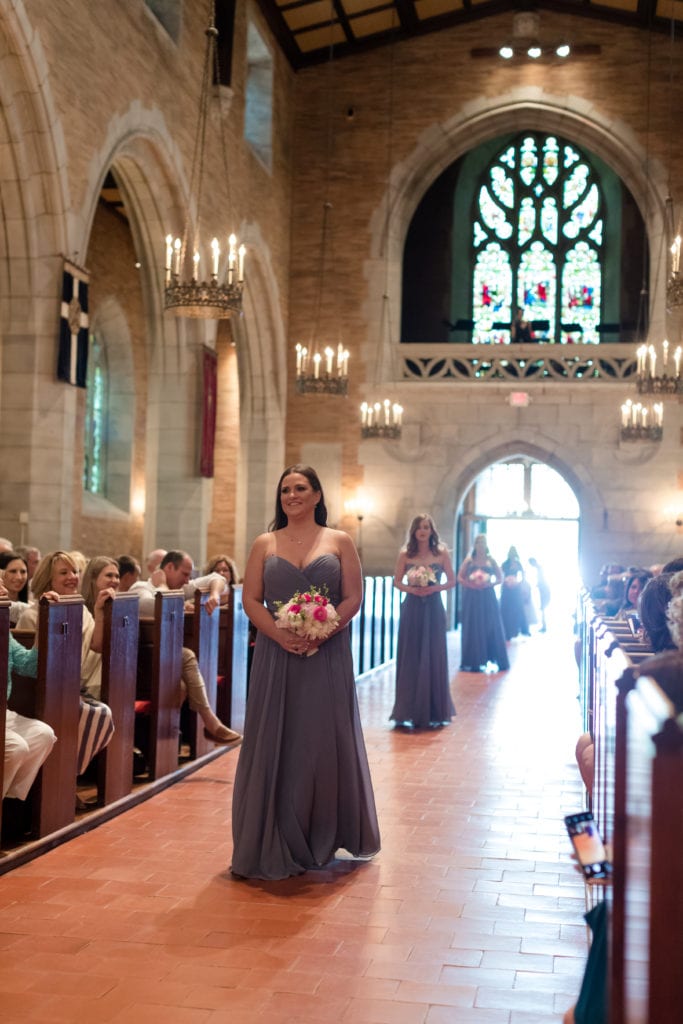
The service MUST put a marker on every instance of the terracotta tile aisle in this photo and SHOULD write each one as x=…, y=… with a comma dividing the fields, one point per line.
x=471, y=913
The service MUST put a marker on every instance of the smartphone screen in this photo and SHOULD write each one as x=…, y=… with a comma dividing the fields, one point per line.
x=633, y=624
x=588, y=845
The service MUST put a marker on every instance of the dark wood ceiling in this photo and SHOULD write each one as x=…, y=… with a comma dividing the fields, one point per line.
x=312, y=31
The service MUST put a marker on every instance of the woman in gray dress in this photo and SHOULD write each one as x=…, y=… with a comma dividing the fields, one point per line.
x=302, y=787
x=423, y=570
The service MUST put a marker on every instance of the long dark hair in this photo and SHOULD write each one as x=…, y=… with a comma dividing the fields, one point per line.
x=474, y=545
x=435, y=545
x=653, y=603
x=280, y=520
x=643, y=575
x=12, y=556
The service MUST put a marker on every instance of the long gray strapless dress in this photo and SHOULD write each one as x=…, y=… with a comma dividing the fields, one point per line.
x=302, y=788
x=423, y=695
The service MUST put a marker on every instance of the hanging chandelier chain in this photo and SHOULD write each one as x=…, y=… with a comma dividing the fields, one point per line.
x=384, y=419
x=197, y=173
x=203, y=291
x=325, y=371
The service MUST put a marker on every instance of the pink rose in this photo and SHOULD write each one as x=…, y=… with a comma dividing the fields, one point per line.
x=294, y=609
x=320, y=614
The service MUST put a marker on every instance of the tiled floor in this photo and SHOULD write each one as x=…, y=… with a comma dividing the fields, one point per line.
x=471, y=913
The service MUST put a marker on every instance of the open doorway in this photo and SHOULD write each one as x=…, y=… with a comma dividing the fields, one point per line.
x=522, y=502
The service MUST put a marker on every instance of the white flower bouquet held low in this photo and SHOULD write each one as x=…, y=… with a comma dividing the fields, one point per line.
x=310, y=614
x=421, y=576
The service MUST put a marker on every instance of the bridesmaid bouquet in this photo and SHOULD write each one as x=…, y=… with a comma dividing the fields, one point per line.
x=420, y=576
x=480, y=578
x=309, y=614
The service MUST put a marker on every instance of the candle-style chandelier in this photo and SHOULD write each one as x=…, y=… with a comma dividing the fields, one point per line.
x=674, y=286
x=648, y=380
x=384, y=419
x=381, y=419
x=203, y=280
x=642, y=421
x=322, y=370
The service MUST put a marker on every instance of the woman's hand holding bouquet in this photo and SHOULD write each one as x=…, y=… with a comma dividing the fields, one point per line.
x=310, y=617
x=480, y=579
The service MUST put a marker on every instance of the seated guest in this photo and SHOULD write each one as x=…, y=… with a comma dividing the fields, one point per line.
x=174, y=574
x=129, y=572
x=632, y=591
x=59, y=573
x=653, y=605
x=14, y=576
x=154, y=560
x=225, y=567
x=28, y=741
x=32, y=557
x=101, y=573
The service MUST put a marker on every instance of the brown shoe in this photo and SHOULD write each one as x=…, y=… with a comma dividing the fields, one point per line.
x=223, y=735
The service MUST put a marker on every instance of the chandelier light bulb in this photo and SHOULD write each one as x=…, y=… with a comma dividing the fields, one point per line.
x=563, y=50
x=534, y=52
x=506, y=52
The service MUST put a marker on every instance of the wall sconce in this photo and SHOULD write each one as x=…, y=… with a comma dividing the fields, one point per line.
x=359, y=506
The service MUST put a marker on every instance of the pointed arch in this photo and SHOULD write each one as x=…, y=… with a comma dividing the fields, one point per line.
x=484, y=119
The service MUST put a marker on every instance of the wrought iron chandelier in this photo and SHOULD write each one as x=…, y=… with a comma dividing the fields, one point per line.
x=384, y=419
x=642, y=421
x=322, y=369
x=649, y=381
x=204, y=280
x=381, y=420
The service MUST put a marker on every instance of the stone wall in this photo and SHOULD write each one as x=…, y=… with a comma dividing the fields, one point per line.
x=444, y=102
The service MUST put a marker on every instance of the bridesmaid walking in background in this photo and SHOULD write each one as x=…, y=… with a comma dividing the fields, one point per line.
x=512, y=596
x=423, y=570
x=482, y=635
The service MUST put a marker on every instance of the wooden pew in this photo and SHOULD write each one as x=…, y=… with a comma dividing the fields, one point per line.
x=54, y=697
x=201, y=635
x=646, y=980
x=159, y=678
x=4, y=644
x=239, y=676
x=119, y=675
x=225, y=635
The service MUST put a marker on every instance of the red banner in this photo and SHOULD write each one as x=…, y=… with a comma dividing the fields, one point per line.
x=209, y=392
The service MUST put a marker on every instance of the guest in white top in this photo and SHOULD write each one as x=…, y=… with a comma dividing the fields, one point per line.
x=174, y=574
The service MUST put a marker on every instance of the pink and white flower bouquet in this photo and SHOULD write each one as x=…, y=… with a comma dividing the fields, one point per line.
x=420, y=576
x=480, y=578
x=309, y=614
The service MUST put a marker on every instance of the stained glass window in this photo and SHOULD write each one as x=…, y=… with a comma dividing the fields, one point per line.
x=95, y=419
x=539, y=224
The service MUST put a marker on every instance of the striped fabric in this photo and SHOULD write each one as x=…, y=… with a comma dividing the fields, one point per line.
x=95, y=729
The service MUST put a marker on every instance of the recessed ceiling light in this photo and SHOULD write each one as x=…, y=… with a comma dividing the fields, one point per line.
x=534, y=52
x=506, y=52
x=563, y=50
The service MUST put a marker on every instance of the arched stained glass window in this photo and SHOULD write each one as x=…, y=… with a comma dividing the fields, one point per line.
x=537, y=238
x=95, y=419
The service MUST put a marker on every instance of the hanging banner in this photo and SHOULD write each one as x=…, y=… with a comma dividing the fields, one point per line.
x=72, y=361
x=209, y=392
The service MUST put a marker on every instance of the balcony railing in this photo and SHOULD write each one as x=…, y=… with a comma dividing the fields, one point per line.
x=537, y=362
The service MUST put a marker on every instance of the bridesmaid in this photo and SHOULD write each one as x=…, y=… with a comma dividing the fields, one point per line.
x=423, y=570
x=482, y=635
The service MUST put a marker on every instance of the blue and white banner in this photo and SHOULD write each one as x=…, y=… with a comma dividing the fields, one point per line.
x=72, y=363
